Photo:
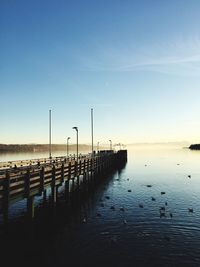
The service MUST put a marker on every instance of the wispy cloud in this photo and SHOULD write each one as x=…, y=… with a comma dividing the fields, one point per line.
x=179, y=56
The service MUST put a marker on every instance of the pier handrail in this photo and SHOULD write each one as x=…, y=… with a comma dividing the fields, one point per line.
x=5, y=165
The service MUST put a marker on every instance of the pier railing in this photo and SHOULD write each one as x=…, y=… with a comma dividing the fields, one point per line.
x=37, y=161
x=25, y=182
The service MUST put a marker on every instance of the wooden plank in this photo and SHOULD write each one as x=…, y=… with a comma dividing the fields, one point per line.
x=16, y=191
x=27, y=183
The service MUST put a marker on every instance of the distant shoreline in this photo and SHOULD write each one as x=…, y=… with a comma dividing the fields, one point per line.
x=39, y=147
x=194, y=147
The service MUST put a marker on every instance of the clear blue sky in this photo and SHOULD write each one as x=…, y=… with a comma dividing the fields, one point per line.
x=137, y=63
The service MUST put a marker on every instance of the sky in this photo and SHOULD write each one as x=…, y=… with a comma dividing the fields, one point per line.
x=135, y=62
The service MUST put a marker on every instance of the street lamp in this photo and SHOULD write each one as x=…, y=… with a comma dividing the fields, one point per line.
x=50, y=134
x=98, y=147
x=92, y=131
x=76, y=128
x=110, y=144
x=68, y=146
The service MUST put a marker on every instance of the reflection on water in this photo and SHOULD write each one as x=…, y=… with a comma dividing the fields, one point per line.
x=128, y=222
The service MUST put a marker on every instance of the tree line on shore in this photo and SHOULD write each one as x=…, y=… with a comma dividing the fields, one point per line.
x=195, y=147
x=38, y=147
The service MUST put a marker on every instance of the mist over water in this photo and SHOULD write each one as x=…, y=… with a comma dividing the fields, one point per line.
x=12, y=156
x=122, y=223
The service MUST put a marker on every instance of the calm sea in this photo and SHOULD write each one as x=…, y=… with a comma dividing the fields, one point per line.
x=127, y=222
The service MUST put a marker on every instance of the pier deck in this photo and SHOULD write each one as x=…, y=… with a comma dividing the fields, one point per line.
x=27, y=181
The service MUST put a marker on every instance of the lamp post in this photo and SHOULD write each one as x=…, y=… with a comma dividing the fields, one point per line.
x=50, y=134
x=68, y=146
x=110, y=144
x=92, y=134
x=76, y=128
x=97, y=146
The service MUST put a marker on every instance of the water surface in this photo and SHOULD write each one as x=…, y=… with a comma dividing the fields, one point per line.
x=115, y=227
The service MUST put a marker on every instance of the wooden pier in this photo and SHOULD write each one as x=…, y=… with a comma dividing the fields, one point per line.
x=28, y=181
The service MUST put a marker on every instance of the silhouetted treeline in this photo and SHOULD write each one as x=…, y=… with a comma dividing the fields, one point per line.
x=195, y=147
x=39, y=147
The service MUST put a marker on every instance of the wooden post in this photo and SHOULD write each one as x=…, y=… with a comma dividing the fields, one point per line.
x=62, y=173
x=79, y=168
x=77, y=183
x=75, y=176
x=69, y=170
x=53, y=185
x=92, y=167
x=84, y=175
x=69, y=179
x=41, y=180
x=27, y=184
x=84, y=164
x=76, y=168
x=72, y=188
x=91, y=170
x=78, y=174
x=88, y=172
x=94, y=170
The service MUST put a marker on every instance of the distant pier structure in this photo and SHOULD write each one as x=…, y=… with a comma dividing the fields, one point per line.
x=34, y=179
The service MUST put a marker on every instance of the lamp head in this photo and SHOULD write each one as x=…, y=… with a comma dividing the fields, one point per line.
x=75, y=128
